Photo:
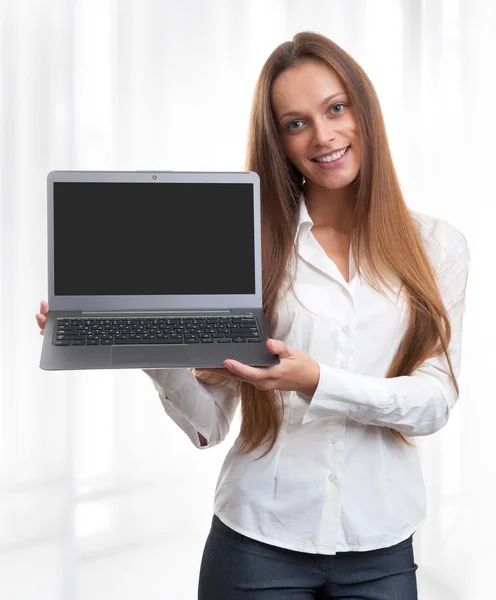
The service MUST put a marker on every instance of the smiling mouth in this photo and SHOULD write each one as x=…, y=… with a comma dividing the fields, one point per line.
x=332, y=157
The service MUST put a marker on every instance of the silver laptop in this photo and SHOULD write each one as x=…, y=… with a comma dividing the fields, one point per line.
x=154, y=269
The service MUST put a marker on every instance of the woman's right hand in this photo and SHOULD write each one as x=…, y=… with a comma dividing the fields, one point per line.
x=41, y=318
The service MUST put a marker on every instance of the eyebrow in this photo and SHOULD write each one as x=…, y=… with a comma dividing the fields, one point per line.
x=296, y=113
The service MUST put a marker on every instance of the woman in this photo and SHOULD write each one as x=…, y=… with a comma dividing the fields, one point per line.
x=322, y=491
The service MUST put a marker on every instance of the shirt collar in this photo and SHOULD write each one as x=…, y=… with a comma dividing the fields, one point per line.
x=305, y=223
x=312, y=252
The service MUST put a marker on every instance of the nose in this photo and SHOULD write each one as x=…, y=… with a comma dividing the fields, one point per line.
x=324, y=133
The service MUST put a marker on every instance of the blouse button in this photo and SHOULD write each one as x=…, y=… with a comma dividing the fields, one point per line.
x=345, y=329
x=332, y=478
x=334, y=439
x=344, y=365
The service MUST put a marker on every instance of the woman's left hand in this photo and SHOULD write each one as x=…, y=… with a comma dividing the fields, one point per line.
x=296, y=371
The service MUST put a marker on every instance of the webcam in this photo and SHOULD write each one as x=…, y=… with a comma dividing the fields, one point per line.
x=154, y=177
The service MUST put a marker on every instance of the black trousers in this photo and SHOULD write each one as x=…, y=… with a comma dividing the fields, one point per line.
x=235, y=567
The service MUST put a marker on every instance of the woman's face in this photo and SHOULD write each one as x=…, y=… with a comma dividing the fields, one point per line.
x=321, y=123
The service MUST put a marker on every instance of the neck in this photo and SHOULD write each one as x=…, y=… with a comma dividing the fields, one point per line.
x=332, y=209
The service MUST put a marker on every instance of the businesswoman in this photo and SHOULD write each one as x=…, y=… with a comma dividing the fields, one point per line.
x=322, y=491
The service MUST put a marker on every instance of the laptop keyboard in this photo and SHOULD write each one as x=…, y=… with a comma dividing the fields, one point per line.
x=163, y=330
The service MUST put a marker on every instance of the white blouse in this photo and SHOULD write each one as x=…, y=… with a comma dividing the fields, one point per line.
x=336, y=480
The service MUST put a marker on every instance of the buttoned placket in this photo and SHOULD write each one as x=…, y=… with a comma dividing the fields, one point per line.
x=337, y=426
x=312, y=252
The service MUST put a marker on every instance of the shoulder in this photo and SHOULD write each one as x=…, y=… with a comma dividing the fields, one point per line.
x=442, y=240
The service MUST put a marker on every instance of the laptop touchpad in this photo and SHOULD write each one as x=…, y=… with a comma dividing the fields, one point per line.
x=156, y=356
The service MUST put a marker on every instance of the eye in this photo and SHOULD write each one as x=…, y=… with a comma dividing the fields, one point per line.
x=339, y=104
x=288, y=126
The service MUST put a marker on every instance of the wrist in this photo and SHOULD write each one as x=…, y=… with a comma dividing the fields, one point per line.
x=308, y=390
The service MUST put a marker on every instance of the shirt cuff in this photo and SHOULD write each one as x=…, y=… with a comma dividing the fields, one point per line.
x=343, y=393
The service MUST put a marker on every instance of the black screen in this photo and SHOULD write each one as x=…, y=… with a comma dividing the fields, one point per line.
x=113, y=239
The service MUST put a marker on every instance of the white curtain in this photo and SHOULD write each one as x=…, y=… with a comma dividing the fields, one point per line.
x=101, y=495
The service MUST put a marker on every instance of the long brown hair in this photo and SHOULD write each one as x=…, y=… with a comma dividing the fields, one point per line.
x=385, y=239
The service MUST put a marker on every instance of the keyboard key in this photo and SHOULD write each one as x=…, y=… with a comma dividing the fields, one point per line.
x=240, y=335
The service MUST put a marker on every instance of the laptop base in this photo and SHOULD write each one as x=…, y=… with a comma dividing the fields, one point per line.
x=163, y=356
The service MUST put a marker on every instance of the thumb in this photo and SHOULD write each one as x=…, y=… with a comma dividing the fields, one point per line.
x=278, y=347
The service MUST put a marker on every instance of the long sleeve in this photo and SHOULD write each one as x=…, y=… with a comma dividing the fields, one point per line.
x=415, y=405
x=193, y=406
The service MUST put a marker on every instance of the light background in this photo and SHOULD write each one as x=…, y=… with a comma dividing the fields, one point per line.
x=101, y=495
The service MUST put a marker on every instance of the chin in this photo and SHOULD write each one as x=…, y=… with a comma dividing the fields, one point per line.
x=335, y=182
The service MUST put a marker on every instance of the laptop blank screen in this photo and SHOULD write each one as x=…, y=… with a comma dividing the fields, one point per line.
x=153, y=238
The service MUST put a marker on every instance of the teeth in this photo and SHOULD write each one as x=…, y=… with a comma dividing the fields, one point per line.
x=334, y=156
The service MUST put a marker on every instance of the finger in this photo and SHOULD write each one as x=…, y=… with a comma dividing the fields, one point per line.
x=41, y=323
x=272, y=345
x=244, y=371
x=278, y=347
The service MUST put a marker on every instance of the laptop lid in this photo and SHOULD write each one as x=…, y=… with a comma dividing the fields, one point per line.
x=154, y=240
